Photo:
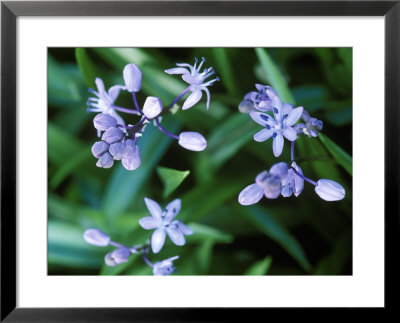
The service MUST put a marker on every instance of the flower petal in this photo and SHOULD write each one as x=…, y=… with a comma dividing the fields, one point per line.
x=109, y=260
x=262, y=118
x=287, y=108
x=261, y=178
x=153, y=207
x=250, y=194
x=158, y=240
x=100, y=87
x=113, y=92
x=120, y=255
x=149, y=222
x=184, y=228
x=293, y=116
x=277, y=145
x=172, y=209
x=298, y=181
x=177, y=70
x=263, y=135
x=279, y=169
x=329, y=190
x=176, y=235
x=290, y=134
x=192, y=99
x=272, y=187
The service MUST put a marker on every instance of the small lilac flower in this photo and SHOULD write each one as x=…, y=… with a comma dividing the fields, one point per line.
x=263, y=100
x=277, y=126
x=99, y=148
x=105, y=100
x=152, y=107
x=103, y=121
x=118, y=256
x=192, y=141
x=162, y=222
x=165, y=267
x=329, y=190
x=131, y=155
x=311, y=127
x=96, y=237
x=191, y=75
x=132, y=77
x=267, y=183
x=105, y=161
x=292, y=183
x=112, y=135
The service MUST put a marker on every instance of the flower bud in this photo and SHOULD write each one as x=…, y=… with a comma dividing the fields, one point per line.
x=131, y=157
x=96, y=237
x=329, y=190
x=103, y=121
x=165, y=267
x=120, y=255
x=112, y=135
x=250, y=194
x=117, y=150
x=109, y=260
x=192, y=141
x=152, y=107
x=132, y=78
x=246, y=106
x=99, y=148
x=105, y=161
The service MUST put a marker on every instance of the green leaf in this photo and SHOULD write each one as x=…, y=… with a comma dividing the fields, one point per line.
x=171, y=178
x=260, y=267
x=224, y=70
x=124, y=185
x=68, y=248
x=274, y=75
x=267, y=224
x=86, y=66
x=203, y=232
x=225, y=141
x=343, y=158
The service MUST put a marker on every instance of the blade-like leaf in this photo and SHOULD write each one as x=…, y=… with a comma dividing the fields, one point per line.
x=86, y=66
x=264, y=222
x=171, y=178
x=260, y=267
x=274, y=75
x=343, y=158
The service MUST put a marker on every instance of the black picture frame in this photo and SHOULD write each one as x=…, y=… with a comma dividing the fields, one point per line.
x=11, y=10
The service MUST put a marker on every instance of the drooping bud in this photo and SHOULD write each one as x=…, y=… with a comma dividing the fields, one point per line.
x=192, y=141
x=131, y=156
x=105, y=161
x=165, y=267
x=99, y=148
x=120, y=255
x=329, y=190
x=112, y=135
x=117, y=150
x=96, y=237
x=250, y=194
x=152, y=107
x=132, y=78
x=103, y=121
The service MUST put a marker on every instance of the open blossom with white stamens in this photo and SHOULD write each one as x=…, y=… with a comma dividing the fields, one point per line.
x=164, y=224
x=196, y=79
x=277, y=126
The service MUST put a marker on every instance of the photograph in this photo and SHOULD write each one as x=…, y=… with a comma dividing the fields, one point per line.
x=200, y=161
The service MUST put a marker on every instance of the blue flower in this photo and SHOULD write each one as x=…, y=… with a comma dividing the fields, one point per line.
x=165, y=267
x=330, y=190
x=277, y=126
x=292, y=183
x=311, y=127
x=196, y=80
x=268, y=184
x=163, y=222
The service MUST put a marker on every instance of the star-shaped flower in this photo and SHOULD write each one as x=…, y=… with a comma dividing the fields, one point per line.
x=277, y=126
x=164, y=224
x=196, y=79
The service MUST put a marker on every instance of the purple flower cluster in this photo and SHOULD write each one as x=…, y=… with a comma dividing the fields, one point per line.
x=279, y=120
x=119, y=139
x=286, y=180
x=164, y=223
